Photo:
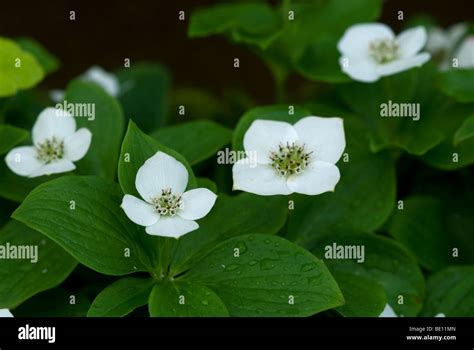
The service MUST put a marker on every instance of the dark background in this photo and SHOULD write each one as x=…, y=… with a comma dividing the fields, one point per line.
x=106, y=32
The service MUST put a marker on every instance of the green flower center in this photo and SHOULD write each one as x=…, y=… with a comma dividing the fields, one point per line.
x=168, y=204
x=290, y=159
x=50, y=150
x=383, y=51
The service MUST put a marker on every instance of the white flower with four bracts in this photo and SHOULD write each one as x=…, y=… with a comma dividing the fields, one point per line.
x=465, y=53
x=56, y=145
x=166, y=209
x=5, y=313
x=370, y=51
x=297, y=158
x=441, y=42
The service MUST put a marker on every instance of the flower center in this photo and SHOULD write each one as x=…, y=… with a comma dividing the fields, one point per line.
x=290, y=159
x=383, y=51
x=168, y=203
x=50, y=150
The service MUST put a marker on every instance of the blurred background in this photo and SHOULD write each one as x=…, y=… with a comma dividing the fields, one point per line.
x=106, y=32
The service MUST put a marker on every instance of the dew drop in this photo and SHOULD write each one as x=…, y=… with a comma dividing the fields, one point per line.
x=308, y=267
x=232, y=267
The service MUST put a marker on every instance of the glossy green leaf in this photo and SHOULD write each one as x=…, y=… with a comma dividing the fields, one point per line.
x=465, y=131
x=384, y=262
x=38, y=264
x=49, y=62
x=196, y=141
x=206, y=183
x=18, y=68
x=421, y=228
x=250, y=23
x=121, y=297
x=137, y=147
x=255, y=214
x=450, y=292
x=185, y=299
x=263, y=275
x=106, y=125
x=83, y=215
x=457, y=83
x=10, y=136
x=144, y=94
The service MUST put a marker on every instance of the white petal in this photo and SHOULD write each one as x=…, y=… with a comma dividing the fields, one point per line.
x=356, y=40
x=172, y=226
x=140, y=212
x=197, y=203
x=5, y=313
x=456, y=32
x=465, y=54
x=22, y=160
x=317, y=178
x=57, y=167
x=104, y=79
x=360, y=69
x=53, y=122
x=411, y=41
x=403, y=64
x=388, y=312
x=159, y=172
x=323, y=136
x=261, y=179
x=440, y=315
x=77, y=144
x=264, y=136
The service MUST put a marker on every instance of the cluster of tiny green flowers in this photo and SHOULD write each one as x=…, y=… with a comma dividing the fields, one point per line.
x=51, y=150
x=168, y=203
x=383, y=51
x=290, y=159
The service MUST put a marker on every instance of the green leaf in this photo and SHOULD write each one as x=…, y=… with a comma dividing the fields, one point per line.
x=453, y=154
x=450, y=292
x=137, y=147
x=410, y=93
x=271, y=277
x=54, y=303
x=49, y=62
x=206, y=183
x=10, y=136
x=385, y=262
x=457, y=83
x=106, y=126
x=144, y=94
x=121, y=298
x=19, y=69
x=364, y=297
x=253, y=23
x=185, y=299
x=255, y=214
x=46, y=266
x=281, y=113
x=465, y=131
x=83, y=215
x=420, y=227
x=196, y=141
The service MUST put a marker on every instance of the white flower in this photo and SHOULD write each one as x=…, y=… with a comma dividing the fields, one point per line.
x=371, y=51
x=465, y=53
x=56, y=145
x=388, y=312
x=441, y=42
x=97, y=75
x=291, y=158
x=166, y=210
x=5, y=313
